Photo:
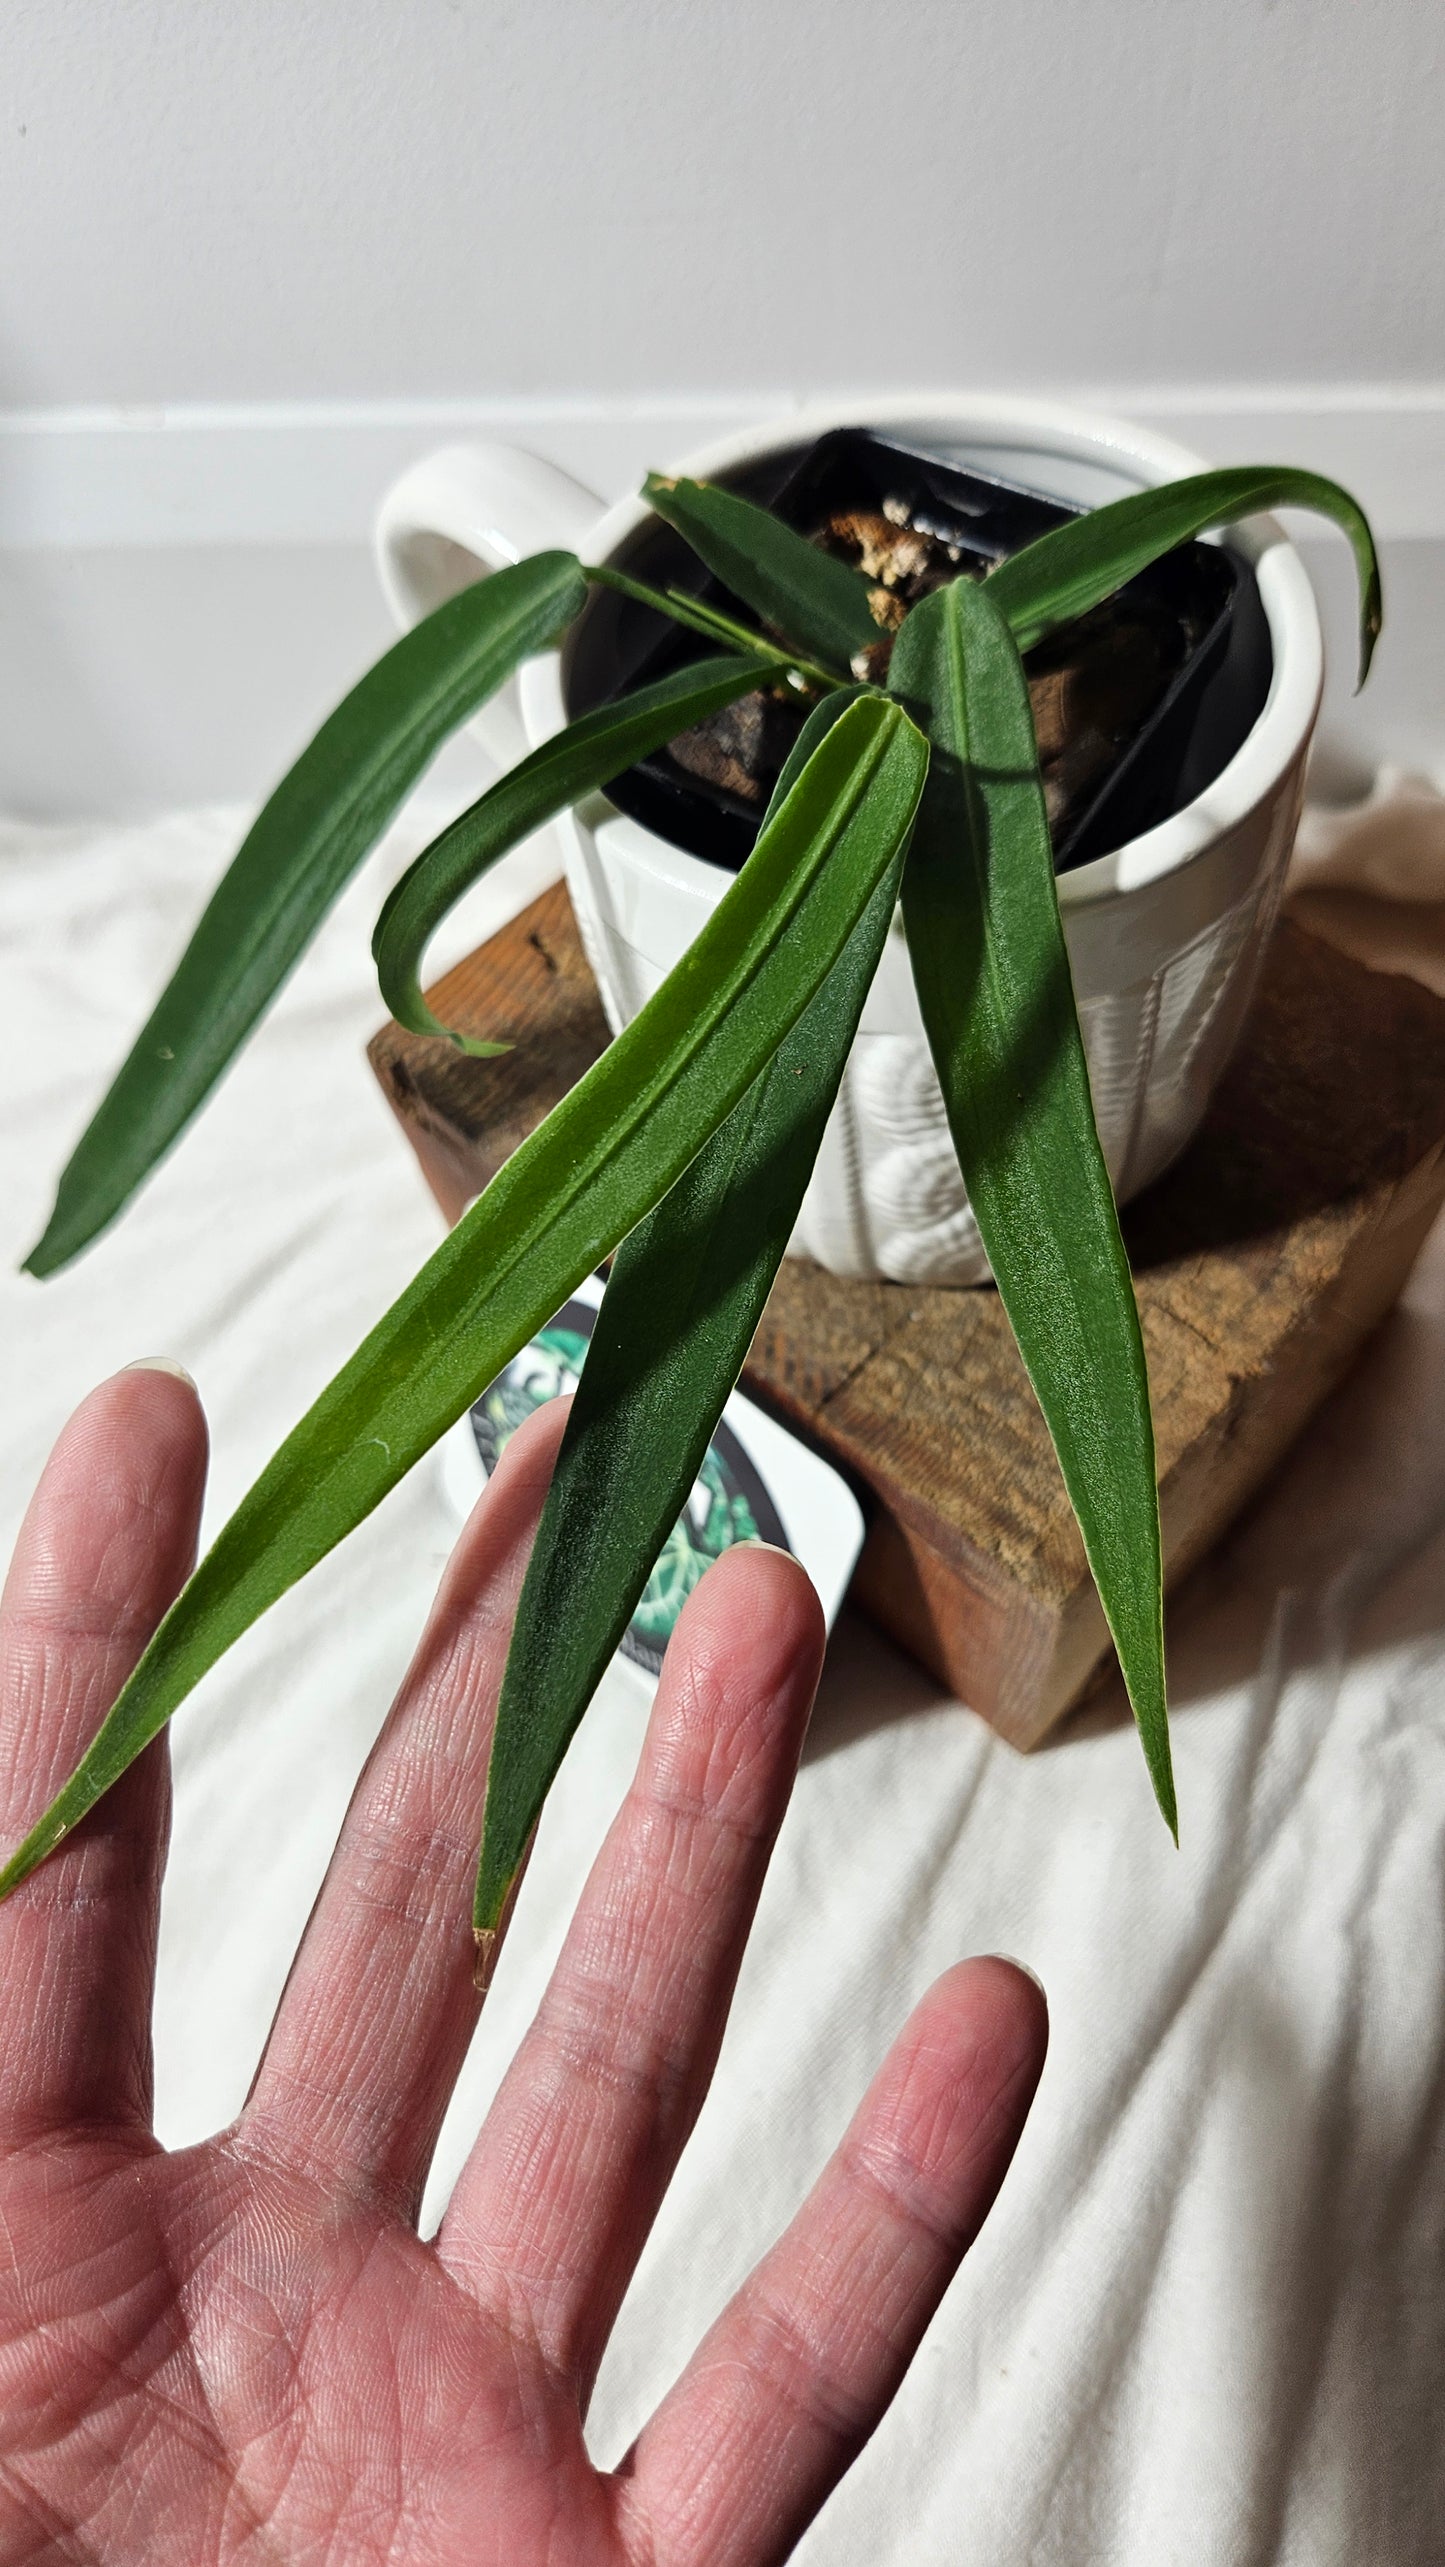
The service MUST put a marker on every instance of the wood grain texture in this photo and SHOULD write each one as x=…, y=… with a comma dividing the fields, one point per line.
x=530, y=987
x=1262, y=1261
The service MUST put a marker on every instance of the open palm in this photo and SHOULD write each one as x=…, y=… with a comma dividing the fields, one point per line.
x=245, y=2351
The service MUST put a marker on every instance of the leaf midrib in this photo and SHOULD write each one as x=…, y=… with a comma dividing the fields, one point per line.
x=565, y=1197
x=452, y=685
x=1026, y=1141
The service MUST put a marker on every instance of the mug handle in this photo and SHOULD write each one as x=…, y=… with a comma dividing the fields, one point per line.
x=462, y=513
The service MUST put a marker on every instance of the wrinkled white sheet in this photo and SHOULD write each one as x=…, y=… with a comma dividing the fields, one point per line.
x=1207, y=2323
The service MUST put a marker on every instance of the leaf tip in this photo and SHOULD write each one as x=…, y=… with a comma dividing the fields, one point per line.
x=1371, y=625
x=41, y=1841
x=485, y=1960
x=1161, y=1775
x=47, y=1255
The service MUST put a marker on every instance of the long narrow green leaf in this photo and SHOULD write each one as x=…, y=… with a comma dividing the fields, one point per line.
x=579, y=760
x=602, y=1159
x=683, y=1302
x=296, y=859
x=787, y=660
x=812, y=599
x=1079, y=565
x=992, y=973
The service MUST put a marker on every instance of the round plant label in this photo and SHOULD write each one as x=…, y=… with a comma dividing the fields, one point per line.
x=728, y=1501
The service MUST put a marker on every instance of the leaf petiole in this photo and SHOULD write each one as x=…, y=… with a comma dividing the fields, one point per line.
x=718, y=627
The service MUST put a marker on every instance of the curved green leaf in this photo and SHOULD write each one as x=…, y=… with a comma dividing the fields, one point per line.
x=601, y=1160
x=1076, y=567
x=581, y=759
x=296, y=859
x=812, y=599
x=987, y=950
x=682, y=1304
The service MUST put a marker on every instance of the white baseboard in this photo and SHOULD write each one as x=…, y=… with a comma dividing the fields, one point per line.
x=280, y=473
x=310, y=473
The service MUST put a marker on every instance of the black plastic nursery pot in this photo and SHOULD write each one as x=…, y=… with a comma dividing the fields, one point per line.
x=1137, y=706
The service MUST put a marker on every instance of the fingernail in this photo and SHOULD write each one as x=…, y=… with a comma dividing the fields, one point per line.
x=1027, y=1968
x=160, y=1364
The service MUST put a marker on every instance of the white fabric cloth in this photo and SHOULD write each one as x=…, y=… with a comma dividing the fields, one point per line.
x=1390, y=843
x=1206, y=2324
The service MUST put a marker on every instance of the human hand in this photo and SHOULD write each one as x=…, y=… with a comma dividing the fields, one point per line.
x=244, y=2351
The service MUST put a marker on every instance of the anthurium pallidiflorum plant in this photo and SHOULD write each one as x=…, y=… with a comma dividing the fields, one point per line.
x=684, y=1152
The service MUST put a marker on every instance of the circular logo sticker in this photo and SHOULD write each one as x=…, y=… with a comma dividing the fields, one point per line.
x=728, y=1501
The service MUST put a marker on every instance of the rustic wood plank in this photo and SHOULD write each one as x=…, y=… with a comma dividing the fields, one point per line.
x=1262, y=1262
x=530, y=987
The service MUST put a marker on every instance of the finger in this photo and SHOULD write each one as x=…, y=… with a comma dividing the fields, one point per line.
x=109, y=1539
x=379, y=2008
x=557, y=2198
x=791, y=2381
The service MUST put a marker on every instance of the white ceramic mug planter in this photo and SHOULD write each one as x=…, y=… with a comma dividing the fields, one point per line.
x=1165, y=936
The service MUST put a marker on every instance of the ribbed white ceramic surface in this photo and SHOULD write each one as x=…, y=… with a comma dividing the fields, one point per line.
x=887, y=1198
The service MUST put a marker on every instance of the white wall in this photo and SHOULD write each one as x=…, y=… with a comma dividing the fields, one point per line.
x=257, y=199
x=233, y=228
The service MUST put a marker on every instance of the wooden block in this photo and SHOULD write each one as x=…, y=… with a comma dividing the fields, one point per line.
x=531, y=986
x=1262, y=1261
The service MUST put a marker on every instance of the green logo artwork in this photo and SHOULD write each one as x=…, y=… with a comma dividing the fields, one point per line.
x=728, y=1502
